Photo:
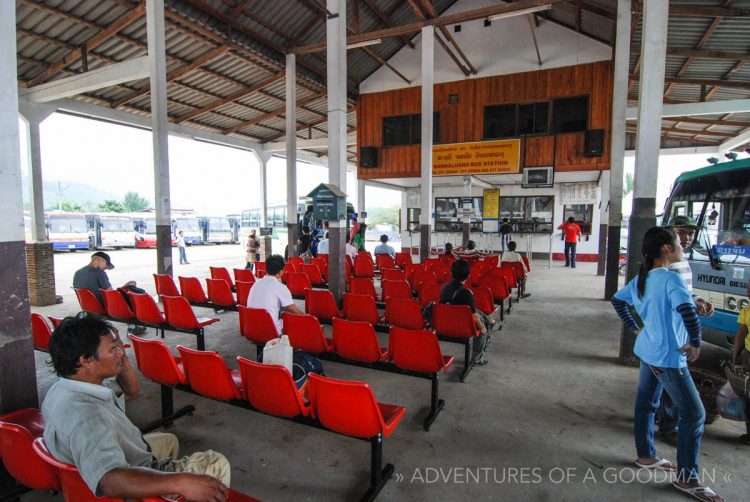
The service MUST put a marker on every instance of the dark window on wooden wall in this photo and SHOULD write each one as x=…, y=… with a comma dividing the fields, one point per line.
x=570, y=114
x=407, y=129
x=499, y=121
x=533, y=118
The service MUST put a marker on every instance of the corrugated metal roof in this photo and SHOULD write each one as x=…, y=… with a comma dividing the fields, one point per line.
x=258, y=36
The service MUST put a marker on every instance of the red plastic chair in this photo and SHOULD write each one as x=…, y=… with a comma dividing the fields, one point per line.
x=221, y=273
x=243, y=291
x=422, y=277
x=509, y=274
x=395, y=289
x=363, y=286
x=271, y=389
x=298, y=283
x=220, y=293
x=305, y=333
x=208, y=375
x=321, y=304
x=526, y=261
x=40, y=333
x=442, y=273
x=403, y=258
x=192, y=290
x=498, y=287
x=429, y=292
x=366, y=254
x=384, y=261
x=260, y=269
x=447, y=259
x=404, y=313
x=146, y=310
x=312, y=271
x=361, y=308
x=363, y=268
x=288, y=269
x=322, y=263
x=89, y=302
x=165, y=285
x=117, y=307
x=492, y=260
x=181, y=316
x=455, y=323
x=483, y=299
x=475, y=276
x=430, y=262
x=257, y=325
x=350, y=408
x=18, y=430
x=243, y=275
x=296, y=262
x=156, y=361
x=54, y=320
x=357, y=341
x=391, y=274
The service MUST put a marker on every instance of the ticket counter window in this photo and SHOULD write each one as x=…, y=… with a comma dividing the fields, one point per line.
x=582, y=213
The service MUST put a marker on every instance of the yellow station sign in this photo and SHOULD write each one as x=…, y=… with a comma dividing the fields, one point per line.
x=482, y=157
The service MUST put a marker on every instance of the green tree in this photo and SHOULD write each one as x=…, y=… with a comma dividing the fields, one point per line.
x=627, y=187
x=380, y=215
x=134, y=202
x=111, y=206
x=71, y=207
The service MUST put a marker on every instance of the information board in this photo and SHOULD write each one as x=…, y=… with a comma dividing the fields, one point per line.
x=481, y=157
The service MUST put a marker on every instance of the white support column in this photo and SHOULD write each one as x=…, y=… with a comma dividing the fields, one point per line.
x=157, y=65
x=361, y=198
x=336, y=80
x=617, y=150
x=291, y=152
x=264, y=158
x=17, y=370
x=428, y=57
x=603, y=214
x=648, y=141
x=34, y=115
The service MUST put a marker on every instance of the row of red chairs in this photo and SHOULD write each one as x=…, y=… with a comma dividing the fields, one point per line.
x=28, y=461
x=178, y=315
x=348, y=408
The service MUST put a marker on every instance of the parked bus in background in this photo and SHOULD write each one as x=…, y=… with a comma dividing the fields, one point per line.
x=188, y=223
x=234, y=225
x=67, y=231
x=215, y=229
x=717, y=197
x=144, y=225
x=111, y=230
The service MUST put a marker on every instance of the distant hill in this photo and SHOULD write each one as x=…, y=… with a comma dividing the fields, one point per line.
x=88, y=196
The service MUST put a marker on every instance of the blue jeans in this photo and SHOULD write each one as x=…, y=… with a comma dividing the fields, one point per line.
x=183, y=255
x=680, y=387
x=570, y=254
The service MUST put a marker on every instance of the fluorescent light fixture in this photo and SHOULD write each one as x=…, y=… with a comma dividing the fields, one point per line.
x=520, y=12
x=364, y=43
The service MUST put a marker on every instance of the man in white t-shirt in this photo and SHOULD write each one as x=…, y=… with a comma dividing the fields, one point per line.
x=350, y=250
x=271, y=294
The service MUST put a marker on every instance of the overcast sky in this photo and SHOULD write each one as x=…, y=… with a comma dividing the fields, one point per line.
x=208, y=178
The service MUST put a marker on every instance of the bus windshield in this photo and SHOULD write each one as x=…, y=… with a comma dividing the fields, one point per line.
x=721, y=206
x=68, y=224
x=116, y=224
x=187, y=224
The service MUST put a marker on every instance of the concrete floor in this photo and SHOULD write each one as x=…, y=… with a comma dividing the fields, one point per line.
x=549, y=418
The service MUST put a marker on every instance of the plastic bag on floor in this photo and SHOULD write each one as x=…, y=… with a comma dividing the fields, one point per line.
x=731, y=406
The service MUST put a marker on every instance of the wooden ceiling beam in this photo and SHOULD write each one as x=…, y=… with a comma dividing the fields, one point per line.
x=312, y=124
x=696, y=81
x=386, y=21
x=447, y=34
x=415, y=6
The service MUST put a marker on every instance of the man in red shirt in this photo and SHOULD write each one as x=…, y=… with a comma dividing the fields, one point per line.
x=572, y=237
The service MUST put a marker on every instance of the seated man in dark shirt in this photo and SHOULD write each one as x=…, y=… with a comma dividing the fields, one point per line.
x=455, y=293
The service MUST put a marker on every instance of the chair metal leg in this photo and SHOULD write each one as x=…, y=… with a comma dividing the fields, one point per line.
x=378, y=477
x=436, y=405
x=502, y=310
x=258, y=350
x=201, y=339
x=468, y=360
x=168, y=415
x=510, y=301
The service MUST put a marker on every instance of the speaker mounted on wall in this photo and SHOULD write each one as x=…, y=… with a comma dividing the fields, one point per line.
x=594, y=143
x=368, y=157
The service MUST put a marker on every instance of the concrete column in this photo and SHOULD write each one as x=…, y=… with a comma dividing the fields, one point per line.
x=617, y=150
x=428, y=56
x=33, y=115
x=361, y=197
x=264, y=158
x=291, y=153
x=17, y=369
x=643, y=217
x=336, y=80
x=603, y=212
x=157, y=66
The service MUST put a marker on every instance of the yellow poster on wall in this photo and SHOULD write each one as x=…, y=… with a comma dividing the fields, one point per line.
x=491, y=204
x=482, y=157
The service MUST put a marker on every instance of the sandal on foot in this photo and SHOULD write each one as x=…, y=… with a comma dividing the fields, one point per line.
x=661, y=464
x=703, y=493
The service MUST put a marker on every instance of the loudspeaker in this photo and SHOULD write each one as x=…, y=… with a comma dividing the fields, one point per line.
x=594, y=144
x=368, y=157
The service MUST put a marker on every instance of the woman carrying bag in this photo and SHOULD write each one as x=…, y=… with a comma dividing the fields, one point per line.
x=669, y=338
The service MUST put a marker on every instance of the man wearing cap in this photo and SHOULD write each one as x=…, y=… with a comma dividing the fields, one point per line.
x=685, y=228
x=93, y=276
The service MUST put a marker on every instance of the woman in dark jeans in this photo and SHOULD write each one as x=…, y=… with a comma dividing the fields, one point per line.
x=669, y=338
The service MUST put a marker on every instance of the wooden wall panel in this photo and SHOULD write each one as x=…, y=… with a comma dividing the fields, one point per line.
x=463, y=121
